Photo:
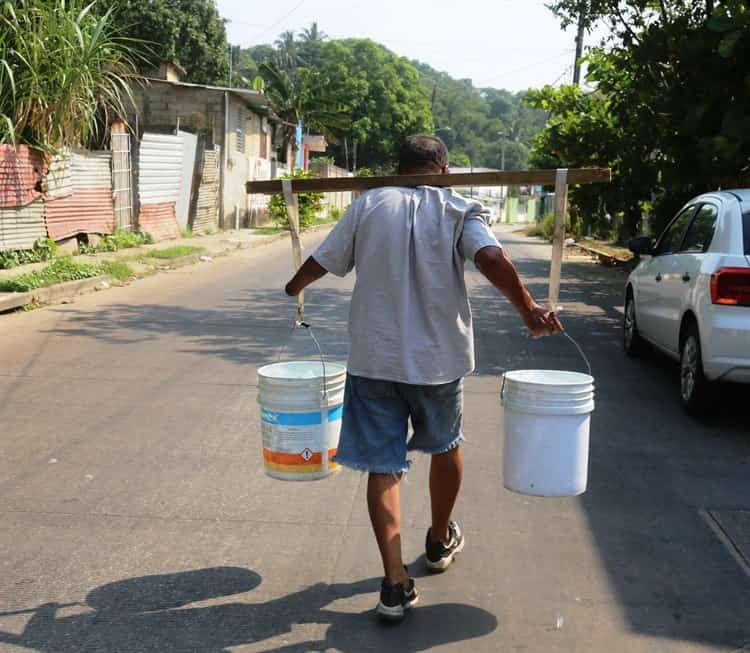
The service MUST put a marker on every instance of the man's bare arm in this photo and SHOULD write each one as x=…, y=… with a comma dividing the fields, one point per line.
x=501, y=273
x=310, y=271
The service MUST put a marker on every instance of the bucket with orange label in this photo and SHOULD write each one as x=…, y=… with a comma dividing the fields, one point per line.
x=301, y=408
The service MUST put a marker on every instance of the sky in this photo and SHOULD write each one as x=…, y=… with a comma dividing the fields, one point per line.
x=512, y=44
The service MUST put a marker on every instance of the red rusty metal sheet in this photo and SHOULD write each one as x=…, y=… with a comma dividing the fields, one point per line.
x=89, y=210
x=21, y=172
x=159, y=220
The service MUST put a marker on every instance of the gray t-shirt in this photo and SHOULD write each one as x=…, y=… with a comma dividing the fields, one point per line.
x=409, y=319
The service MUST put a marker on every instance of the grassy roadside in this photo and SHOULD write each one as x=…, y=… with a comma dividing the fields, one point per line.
x=62, y=270
x=176, y=251
x=272, y=231
x=120, y=239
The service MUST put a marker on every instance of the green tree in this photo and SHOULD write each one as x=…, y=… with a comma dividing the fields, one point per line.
x=287, y=51
x=303, y=97
x=480, y=123
x=311, y=46
x=673, y=77
x=190, y=32
x=64, y=71
x=386, y=102
x=582, y=132
x=309, y=204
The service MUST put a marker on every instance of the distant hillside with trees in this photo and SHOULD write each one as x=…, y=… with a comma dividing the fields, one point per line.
x=379, y=97
x=477, y=123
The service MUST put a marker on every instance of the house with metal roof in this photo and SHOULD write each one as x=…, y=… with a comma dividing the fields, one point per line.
x=236, y=126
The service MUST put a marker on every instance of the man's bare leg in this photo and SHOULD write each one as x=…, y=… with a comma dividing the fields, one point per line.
x=384, y=504
x=446, y=472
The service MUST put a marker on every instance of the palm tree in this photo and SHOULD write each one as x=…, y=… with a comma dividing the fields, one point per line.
x=310, y=45
x=303, y=98
x=313, y=34
x=288, y=51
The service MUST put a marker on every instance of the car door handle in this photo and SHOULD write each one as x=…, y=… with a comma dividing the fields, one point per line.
x=658, y=277
x=686, y=277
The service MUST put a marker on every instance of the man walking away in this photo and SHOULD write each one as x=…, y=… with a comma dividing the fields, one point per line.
x=411, y=344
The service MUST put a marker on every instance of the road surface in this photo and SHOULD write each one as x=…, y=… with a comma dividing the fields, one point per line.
x=135, y=515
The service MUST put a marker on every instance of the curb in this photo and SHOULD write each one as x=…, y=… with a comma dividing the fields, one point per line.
x=55, y=293
x=67, y=289
x=14, y=300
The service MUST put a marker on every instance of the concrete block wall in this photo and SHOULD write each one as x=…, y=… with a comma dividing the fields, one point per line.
x=200, y=109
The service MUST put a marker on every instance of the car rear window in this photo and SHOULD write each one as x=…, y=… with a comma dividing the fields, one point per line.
x=746, y=229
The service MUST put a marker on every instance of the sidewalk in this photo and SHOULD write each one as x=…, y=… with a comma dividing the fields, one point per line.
x=212, y=246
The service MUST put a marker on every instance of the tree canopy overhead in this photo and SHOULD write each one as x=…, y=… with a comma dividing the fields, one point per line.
x=669, y=109
x=189, y=32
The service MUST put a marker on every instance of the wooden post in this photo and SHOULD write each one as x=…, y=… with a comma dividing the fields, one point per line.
x=292, y=211
x=558, y=238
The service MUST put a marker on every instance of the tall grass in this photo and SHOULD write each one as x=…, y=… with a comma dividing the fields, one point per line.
x=65, y=71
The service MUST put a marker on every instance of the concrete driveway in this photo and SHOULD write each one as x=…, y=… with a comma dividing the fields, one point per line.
x=136, y=517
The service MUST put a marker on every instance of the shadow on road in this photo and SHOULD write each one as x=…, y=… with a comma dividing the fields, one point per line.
x=654, y=472
x=152, y=614
x=254, y=328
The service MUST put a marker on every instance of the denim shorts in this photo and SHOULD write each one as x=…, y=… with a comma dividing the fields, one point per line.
x=375, y=422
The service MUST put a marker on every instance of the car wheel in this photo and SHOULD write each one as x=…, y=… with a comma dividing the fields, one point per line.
x=694, y=386
x=631, y=337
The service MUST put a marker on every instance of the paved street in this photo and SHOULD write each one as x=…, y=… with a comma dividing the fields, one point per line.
x=136, y=517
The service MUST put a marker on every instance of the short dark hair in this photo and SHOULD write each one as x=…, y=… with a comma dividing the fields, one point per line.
x=422, y=151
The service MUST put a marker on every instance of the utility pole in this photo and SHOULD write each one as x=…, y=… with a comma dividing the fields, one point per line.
x=354, y=155
x=229, y=81
x=502, y=156
x=579, y=48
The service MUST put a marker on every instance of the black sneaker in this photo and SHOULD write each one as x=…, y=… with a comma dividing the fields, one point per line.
x=395, y=600
x=438, y=556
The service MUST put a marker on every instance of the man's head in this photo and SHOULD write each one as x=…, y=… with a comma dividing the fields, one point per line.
x=423, y=154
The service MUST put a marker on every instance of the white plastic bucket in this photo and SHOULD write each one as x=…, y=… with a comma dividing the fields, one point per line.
x=546, y=423
x=300, y=412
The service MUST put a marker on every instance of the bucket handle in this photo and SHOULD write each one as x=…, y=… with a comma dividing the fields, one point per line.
x=580, y=351
x=305, y=325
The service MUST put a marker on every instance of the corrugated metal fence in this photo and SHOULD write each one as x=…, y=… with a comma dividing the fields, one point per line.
x=22, y=226
x=89, y=208
x=21, y=171
x=77, y=192
x=21, y=208
x=159, y=183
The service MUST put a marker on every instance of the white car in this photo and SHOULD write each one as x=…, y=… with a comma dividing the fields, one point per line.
x=690, y=294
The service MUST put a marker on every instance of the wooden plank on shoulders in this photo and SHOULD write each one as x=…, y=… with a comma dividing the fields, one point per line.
x=470, y=179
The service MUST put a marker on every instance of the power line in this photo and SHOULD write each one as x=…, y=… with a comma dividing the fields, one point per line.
x=283, y=18
x=565, y=73
x=531, y=65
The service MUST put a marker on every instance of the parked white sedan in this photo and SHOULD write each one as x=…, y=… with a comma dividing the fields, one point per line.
x=690, y=294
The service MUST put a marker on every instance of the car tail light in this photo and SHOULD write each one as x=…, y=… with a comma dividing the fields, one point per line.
x=731, y=287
